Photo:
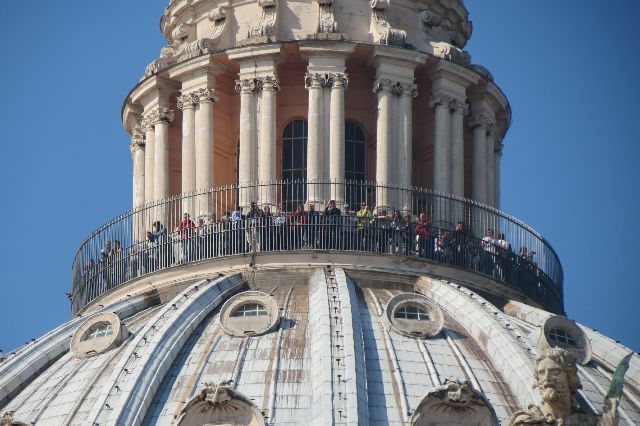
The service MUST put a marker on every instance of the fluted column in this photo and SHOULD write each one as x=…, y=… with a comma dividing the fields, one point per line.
x=338, y=83
x=479, y=122
x=149, y=157
x=442, y=143
x=137, y=149
x=384, y=89
x=267, y=142
x=162, y=117
x=460, y=109
x=491, y=179
x=187, y=104
x=407, y=92
x=248, y=155
x=314, y=83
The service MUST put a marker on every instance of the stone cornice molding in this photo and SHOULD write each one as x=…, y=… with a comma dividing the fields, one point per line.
x=441, y=100
x=326, y=20
x=315, y=80
x=449, y=52
x=338, y=79
x=206, y=94
x=481, y=119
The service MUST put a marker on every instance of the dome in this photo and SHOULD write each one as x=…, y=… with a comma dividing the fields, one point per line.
x=331, y=359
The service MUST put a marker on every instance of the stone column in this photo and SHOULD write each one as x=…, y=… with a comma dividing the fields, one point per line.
x=491, y=128
x=497, y=158
x=314, y=83
x=267, y=142
x=204, y=147
x=404, y=166
x=149, y=160
x=442, y=143
x=479, y=122
x=460, y=109
x=248, y=156
x=384, y=89
x=187, y=104
x=163, y=116
x=137, y=149
x=338, y=83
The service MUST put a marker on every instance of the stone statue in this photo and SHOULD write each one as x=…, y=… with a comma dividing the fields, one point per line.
x=556, y=377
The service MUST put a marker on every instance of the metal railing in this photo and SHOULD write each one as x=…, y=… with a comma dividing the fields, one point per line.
x=221, y=222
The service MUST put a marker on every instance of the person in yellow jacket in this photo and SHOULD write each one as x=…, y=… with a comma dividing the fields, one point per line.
x=364, y=216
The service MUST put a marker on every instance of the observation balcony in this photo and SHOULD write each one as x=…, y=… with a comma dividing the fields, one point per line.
x=453, y=233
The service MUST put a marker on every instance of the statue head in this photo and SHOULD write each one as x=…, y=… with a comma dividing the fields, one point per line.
x=556, y=377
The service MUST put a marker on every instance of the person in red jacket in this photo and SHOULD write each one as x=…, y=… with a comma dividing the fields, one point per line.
x=423, y=227
x=186, y=229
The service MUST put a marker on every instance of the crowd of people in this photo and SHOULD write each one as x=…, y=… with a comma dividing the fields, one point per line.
x=259, y=229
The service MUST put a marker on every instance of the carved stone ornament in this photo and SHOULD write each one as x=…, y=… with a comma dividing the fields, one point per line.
x=431, y=18
x=315, y=80
x=326, y=22
x=440, y=100
x=450, y=53
x=265, y=28
x=386, y=33
x=269, y=82
x=7, y=419
x=219, y=17
x=481, y=119
x=407, y=89
x=459, y=105
x=385, y=85
x=137, y=142
x=206, y=94
x=337, y=79
x=220, y=404
x=186, y=100
x=556, y=377
x=158, y=115
x=248, y=85
x=454, y=402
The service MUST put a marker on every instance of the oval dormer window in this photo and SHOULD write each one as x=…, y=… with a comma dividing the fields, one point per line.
x=249, y=313
x=99, y=334
x=413, y=315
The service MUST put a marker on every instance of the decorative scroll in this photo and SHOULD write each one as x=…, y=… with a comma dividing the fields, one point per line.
x=158, y=115
x=327, y=22
x=338, y=79
x=407, y=89
x=267, y=21
x=269, y=82
x=441, y=100
x=450, y=53
x=385, y=85
x=186, y=100
x=205, y=95
x=459, y=105
x=315, y=80
x=386, y=33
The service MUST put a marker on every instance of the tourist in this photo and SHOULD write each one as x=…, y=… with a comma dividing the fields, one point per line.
x=408, y=233
x=348, y=228
x=312, y=220
x=266, y=229
x=423, y=235
x=364, y=218
x=397, y=233
x=489, y=247
x=460, y=245
x=186, y=229
x=332, y=221
x=253, y=216
x=381, y=228
x=296, y=222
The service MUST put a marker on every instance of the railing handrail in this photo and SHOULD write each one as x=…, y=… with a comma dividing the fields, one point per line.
x=445, y=208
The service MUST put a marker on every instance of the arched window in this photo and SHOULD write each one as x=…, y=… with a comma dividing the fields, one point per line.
x=294, y=163
x=354, y=162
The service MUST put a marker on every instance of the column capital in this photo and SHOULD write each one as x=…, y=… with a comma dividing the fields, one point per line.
x=268, y=82
x=481, y=119
x=459, y=106
x=498, y=147
x=338, y=79
x=206, y=94
x=186, y=101
x=407, y=89
x=134, y=148
x=440, y=100
x=159, y=115
x=146, y=123
x=385, y=85
x=248, y=85
x=315, y=79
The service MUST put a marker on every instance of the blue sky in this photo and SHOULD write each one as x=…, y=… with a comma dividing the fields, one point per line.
x=569, y=69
